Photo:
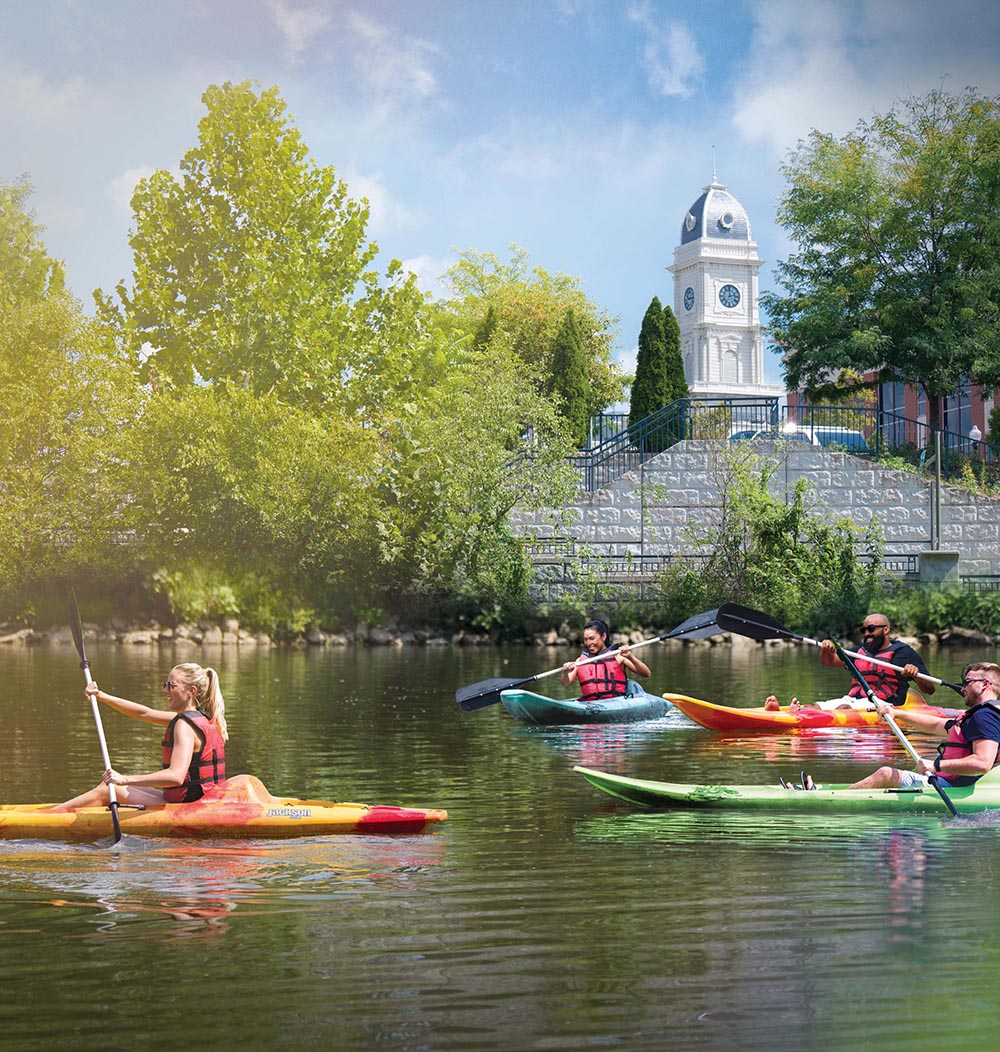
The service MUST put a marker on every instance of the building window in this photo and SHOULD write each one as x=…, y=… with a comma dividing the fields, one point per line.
x=730, y=367
x=957, y=413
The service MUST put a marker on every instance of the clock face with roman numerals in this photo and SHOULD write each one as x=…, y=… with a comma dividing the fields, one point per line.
x=729, y=296
x=688, y=298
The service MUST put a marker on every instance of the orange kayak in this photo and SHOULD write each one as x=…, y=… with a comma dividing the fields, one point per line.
x=783, y=720
x=240, y=807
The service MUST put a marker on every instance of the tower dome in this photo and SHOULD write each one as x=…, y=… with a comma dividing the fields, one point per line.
x=716, y=214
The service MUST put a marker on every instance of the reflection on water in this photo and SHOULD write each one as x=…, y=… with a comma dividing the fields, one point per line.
x=543, y=914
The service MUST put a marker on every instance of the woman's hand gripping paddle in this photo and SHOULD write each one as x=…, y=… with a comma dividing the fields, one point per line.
x=487, y=691
x=76, y=627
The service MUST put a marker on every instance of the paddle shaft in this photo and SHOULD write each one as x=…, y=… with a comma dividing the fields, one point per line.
x=775, y=628
x=77, y=629
x=887, y=664
x=487, y=691
x=844, y=656
x=490, y=694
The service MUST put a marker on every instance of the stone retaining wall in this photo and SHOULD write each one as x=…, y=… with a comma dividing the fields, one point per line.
x=650, y=510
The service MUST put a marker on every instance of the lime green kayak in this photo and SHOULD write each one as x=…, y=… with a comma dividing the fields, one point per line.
x=981, y=796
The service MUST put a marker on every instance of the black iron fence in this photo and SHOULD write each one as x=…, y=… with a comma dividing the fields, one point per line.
x=617, y=448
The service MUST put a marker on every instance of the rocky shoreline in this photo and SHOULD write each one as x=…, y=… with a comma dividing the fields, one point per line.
x=229, y=633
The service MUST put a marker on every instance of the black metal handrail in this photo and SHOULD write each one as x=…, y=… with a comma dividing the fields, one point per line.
x=861, y=430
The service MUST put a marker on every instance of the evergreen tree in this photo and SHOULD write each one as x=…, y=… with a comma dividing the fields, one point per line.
x=568, y=384
x=650, y=390
x=676, y=382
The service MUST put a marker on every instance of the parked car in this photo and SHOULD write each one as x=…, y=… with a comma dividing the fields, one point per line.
x=841, y=437
x=775, y=434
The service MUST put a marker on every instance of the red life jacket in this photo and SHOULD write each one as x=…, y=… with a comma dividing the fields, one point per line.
x=887, y=683
x=208, y=763
x=601, y=679
x=957, y=746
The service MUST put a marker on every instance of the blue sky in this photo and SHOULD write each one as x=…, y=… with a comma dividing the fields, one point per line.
x=580, y=129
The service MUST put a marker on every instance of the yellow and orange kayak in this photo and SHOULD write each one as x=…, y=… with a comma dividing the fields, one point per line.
x=240, y=807
x=780, y=721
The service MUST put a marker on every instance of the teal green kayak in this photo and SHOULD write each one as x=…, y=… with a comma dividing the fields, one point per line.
x=632, y=707
x=981, y=796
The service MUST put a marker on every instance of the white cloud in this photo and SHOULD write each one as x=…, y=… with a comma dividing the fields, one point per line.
x=387, y=215
x=670, y=54
x=849, y=60
x=628, y=359
x=396, y=67
x=120, y=189
x=428, y=271
x=37, y=101
x=299, y=26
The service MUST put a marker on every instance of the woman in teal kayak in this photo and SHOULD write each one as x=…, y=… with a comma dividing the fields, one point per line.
x=602, y=679
x=193, y=745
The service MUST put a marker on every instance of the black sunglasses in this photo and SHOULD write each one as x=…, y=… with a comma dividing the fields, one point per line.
x=975, y=679
x=873, y=628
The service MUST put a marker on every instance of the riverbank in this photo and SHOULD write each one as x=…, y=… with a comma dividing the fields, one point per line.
x=229, y=633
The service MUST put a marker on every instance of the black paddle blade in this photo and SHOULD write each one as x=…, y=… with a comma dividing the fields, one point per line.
x=76, y=627
x=485, y=692
x=750, y=623
x=699, y=626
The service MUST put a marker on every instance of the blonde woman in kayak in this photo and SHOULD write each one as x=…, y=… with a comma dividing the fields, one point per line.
x=602, y=679
x=193, y=745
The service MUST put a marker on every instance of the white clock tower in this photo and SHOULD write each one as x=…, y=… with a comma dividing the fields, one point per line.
x=715, y=272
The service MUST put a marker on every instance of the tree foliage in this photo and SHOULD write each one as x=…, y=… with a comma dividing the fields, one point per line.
x=659, y=376
x=260, y=423
x=778, y=554
x=568, y=384
x=676, y=381
x=67, y=405
x=651, y=387
x=530, y=306
x=898, y=266
x=253, y=266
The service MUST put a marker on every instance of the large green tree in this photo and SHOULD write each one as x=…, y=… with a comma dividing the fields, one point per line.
x=659, y=375
x=897, y=270
x=676, y=381
x=252, y=265
x=314, y=441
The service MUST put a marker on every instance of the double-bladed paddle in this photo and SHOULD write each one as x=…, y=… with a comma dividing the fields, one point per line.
x=76, y=626
x=844, y=656
x=757, y=625
x=487, y=691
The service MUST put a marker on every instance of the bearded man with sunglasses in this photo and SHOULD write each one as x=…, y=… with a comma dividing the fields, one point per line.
x=889, y=685
x=972, y=746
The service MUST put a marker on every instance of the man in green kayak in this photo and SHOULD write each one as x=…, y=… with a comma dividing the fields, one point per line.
x=972, y=745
